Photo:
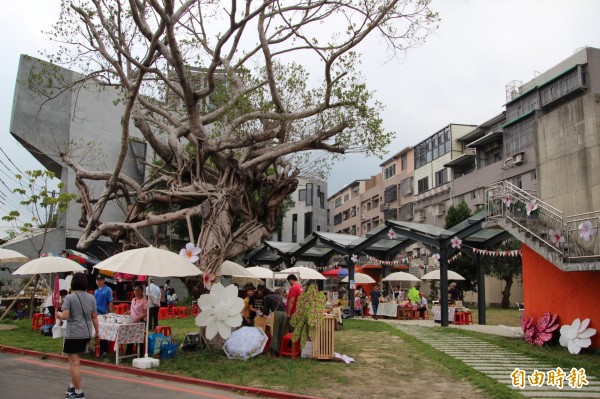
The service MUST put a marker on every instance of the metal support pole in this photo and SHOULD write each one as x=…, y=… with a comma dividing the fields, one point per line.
x=351, y=285
x=480, y=290
x=444, y=283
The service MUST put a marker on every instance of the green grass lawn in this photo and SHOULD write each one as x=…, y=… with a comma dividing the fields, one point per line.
x=382, y=354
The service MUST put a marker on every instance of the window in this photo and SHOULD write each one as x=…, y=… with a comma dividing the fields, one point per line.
x=518, y=137
x=294, y=227
x=423, y=185
x=534, y=175
x=522, y=106
x=301, y=195
x=497, y=157
x=473, y=195
x=517, y=181
x=404, y=161
x=441, y=177
x=390, y=193
x=406, y=186
x=432, y=148
x=308, y=223
x=389, y=172
x=321, y=196
x=346, y=197
x=309, y=194
x=338, y=202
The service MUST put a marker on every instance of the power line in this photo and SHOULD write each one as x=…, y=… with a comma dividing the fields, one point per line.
x=10, y=160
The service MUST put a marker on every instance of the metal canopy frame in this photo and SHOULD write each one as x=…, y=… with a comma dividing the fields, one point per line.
x=377, y=242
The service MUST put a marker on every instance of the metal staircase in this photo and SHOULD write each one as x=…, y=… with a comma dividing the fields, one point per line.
x=569, y=242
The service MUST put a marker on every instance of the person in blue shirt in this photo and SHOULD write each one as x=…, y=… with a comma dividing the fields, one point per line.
x=104, y=305
x=375, y=295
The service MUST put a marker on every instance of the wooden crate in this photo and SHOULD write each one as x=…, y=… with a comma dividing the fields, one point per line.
x=323, y=340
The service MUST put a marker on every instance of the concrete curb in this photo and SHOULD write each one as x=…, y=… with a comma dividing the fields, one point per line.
x=163, y=376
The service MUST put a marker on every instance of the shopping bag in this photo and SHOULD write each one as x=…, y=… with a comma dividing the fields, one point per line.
x=57, y=330
x=307, y=350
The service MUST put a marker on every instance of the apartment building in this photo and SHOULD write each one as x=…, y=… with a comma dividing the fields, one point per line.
x=308, y=213
x=432, y=178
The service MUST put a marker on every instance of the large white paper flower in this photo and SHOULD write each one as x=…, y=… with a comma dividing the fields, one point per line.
x=576, y=336
x=531, y=206
x=190, y=252
x=220, y=310
x=586, y=230
x=456, y=242
x=556, y=237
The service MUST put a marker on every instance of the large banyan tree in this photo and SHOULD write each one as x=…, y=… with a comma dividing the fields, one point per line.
x=234, y=98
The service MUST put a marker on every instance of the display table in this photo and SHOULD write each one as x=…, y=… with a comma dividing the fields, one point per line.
x=123, y=334
x=437, y=313
x=389, y=309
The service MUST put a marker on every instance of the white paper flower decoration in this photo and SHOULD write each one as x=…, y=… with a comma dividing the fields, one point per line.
x=576, y=336
x=354, y=258
x=436, y=257
x=456, y=242
x=531, y=206
x=586, y=230
x=391, y=234
x=220, y=310
x=506, y=200
x=190, y=252
x=556, y=237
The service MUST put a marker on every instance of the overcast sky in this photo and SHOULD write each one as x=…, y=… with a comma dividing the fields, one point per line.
x=458, y=76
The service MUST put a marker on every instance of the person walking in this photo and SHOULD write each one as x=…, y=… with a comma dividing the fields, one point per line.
x=153, y=293
x=79, y=309
x=138, y=309
x=375, y=295
x=293, y=295
x=104, y=305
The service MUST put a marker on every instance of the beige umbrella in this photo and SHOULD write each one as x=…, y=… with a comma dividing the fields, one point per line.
x=49, y=264
x=10, y=256
x=242, y=281
x=435, y=275
x=229, y=268
x=154, y=262
x=400, y=276
x=260, y=272
x=360, y=278
x=303, y=272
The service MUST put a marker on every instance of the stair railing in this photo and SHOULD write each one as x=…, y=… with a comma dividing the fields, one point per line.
x=582, y=236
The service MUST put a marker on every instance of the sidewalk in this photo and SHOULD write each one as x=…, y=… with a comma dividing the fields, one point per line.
x=503, y=331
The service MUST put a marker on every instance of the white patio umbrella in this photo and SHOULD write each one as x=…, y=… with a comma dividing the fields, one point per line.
x=260, y=272
x=360, y=278
x=401, y=276
x=242, y=281
x=229, y=268
x=153, y=262
x=10, y=256
x=435, y=275
x=245, y=343
x=49, y=264
x=305, y=273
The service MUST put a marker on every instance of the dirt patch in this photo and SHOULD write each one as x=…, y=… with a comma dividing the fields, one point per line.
x=7, y=327
x=387, y=367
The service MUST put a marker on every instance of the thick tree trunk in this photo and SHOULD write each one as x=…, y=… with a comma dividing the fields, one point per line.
x=506, y=292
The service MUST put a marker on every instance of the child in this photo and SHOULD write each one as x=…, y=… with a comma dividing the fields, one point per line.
x=358, y=307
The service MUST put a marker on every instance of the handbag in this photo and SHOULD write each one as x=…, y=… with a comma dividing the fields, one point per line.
x=57, y=330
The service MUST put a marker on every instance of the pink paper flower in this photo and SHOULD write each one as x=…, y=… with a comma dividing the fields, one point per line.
x=391, y=234
x=207, y=280
x=586, y=230
x=540, y=333
x=531, y=206
x=436, y=257
x=456, y=242
x=506, y=200
x=556, y=237
x=354, y=258
x=190, y=252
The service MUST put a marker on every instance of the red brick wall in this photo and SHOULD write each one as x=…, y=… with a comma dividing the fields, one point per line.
x=570, y=294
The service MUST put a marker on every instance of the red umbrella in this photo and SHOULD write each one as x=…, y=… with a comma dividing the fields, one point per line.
x=56, y=294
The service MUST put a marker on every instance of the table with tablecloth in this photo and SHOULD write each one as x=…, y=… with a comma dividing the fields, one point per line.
x=437, y=313
x=123, y=334
x=389, y=309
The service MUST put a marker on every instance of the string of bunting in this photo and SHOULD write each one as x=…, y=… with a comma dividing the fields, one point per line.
x=452, y=259
x=486, y=252
x=405, y=260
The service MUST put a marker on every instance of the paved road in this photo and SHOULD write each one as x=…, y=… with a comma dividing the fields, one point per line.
x=27, y=377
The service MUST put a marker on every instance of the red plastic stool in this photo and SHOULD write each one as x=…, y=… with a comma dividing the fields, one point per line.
x=49, y=320
x=163, y=313
x=289, y=347
x=468, y=318
x=37, y=321
x=459, y=318
x=164, y=330
x=195, y=310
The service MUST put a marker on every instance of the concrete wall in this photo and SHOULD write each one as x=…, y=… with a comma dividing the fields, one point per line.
x=84, y=119
x=568, y=153
x=493, y=292
x=300, y=208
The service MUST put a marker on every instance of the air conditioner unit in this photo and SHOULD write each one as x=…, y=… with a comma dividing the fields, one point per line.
x=419, y=215
x=384, y=207
x=353, y=214
x=518, y=159
x=439, y=209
